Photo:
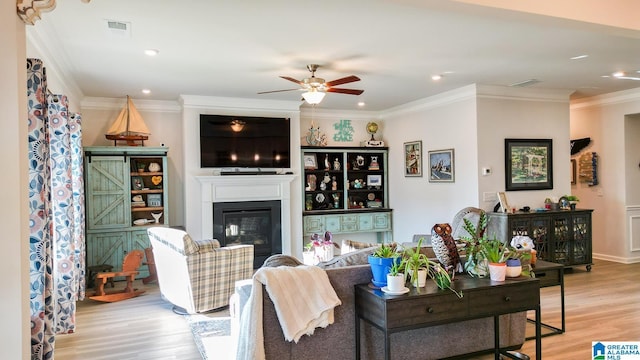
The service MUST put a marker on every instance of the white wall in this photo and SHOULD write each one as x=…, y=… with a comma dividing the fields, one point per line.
x=523, y=113
x=164, y=120
x=602, y=118
x=632, y=159
x=445, y=121
x=14, y=212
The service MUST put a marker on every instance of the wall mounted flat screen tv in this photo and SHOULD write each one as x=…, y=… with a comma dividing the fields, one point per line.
x=244, y=142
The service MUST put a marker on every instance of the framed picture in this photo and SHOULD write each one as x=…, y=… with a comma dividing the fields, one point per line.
x=441, y=166
x=310, y=162
x=413, y=158
x=374, y=181
x=528, y=164
x=137, y=183
x=502, y=197
x=154, y=200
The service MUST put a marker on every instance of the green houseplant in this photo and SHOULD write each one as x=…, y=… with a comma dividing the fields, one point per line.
x=475, y=264
x=416, y=262
x=381, y=261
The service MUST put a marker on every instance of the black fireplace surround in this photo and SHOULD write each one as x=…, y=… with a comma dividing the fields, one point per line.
x=256, y=223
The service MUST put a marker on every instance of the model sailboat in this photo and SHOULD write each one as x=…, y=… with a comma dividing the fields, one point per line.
x=128, y=126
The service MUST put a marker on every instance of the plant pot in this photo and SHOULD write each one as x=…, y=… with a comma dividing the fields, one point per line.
x=514, y=268
x=395, y=283
x=380, y=268
x=421, y=280
x=497, y=271
x=309, y=257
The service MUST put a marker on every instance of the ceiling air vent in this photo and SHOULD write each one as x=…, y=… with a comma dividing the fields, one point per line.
x=119, y=28
x=525, y=83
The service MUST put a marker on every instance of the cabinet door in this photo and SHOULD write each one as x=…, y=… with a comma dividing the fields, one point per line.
x=313, y=224
x=581, y=248
x=140, y=241
x=107, y=192
x=562, y=239
x=107, y=248
x=382, y=221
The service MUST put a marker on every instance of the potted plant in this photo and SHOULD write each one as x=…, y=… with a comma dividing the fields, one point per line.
x=496, y=254
x=573, y=200
x=381, y=261
x=416, y=265
x=395, y=277
x=475, y=263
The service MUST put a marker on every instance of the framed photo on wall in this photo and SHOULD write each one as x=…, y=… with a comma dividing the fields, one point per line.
x=137, y=183
x=413, y=158
x=441, y=166
x=528, y=164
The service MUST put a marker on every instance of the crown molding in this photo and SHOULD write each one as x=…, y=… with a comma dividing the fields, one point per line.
x=526, y=94
x=613, y=98
x=230, y=103
x=102, y=103
x=332, y=114
x=449, y=97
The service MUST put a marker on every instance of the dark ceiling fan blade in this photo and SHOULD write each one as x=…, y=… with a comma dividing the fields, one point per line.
x=343, y=80
x=345, y=91
x=275, y=91
x=292, y=79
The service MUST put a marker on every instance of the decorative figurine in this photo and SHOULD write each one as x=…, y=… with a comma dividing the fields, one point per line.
x=327, y=166
x=445, y=249
x=336, y=200
x=334, y=184
x=373, y=165
x=336, y=164
x=311, y=181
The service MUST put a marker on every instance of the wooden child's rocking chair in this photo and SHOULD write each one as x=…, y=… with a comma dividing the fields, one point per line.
x=130, y=266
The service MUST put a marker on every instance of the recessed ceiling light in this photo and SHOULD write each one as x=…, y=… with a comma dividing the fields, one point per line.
x=146, y=91
x=436, y=77
x=579, y=57
x=618, y=74
x=361, y=103
x=151, y=52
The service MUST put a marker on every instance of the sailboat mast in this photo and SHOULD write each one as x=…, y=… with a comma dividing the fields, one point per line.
x=128, y=116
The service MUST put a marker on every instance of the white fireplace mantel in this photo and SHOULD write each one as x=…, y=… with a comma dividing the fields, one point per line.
x=238, y=188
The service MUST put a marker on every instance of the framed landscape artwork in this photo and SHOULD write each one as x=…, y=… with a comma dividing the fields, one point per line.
x=413, y=158
x=441, y=166
x=528, y=164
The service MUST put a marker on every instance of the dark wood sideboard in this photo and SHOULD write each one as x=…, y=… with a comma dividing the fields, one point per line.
x=560, y=236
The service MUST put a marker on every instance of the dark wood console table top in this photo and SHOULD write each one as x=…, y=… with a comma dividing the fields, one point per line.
x=431, y=306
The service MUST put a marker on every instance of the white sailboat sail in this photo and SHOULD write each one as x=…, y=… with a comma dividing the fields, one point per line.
x=129, y=122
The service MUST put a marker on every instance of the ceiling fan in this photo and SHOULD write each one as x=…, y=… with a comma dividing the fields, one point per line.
x=315, y=88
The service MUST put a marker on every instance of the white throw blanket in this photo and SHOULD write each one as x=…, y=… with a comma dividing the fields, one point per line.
x=303, y=299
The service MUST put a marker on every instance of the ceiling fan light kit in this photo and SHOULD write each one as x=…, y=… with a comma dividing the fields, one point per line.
x=313, y=97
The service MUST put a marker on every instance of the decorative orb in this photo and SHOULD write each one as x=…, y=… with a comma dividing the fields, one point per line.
x=372, y=128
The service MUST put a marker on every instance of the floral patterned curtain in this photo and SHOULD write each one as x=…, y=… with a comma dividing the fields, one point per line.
x=56, y=201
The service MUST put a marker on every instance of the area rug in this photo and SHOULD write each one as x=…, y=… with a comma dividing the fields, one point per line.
x=212, y=336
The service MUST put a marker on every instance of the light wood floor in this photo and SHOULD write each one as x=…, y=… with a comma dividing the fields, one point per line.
x=601, y=305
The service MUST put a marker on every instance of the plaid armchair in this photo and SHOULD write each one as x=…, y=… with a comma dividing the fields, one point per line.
x=197, y=275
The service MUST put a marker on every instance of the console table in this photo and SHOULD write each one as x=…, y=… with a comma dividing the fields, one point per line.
x=550, y=274
x=431, y=306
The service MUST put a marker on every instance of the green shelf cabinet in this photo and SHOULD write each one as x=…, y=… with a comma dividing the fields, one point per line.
x=115, y=176
x=355, y=195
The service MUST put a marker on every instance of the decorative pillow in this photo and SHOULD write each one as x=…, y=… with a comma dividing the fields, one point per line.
x=281, y=260
x=358, y=257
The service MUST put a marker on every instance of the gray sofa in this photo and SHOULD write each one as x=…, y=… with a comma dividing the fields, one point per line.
x=337, y=341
